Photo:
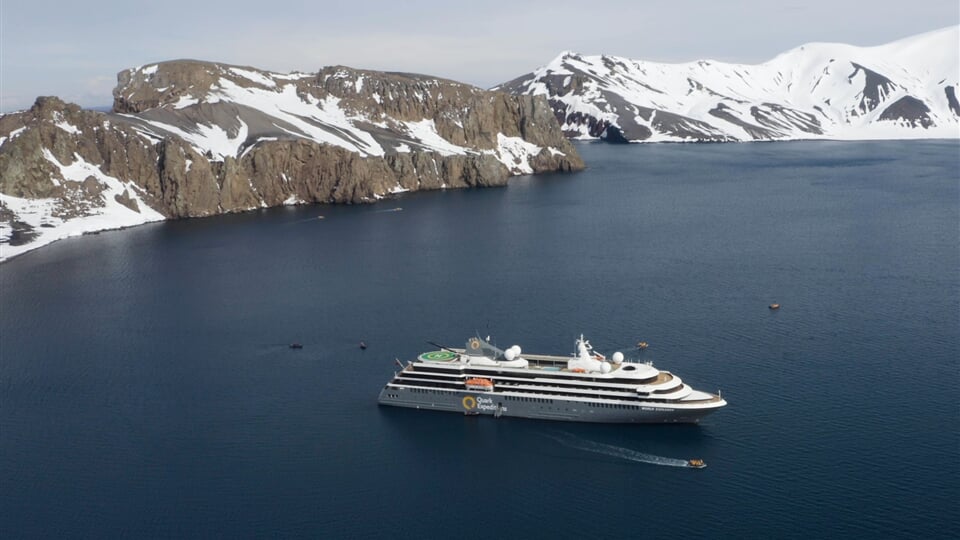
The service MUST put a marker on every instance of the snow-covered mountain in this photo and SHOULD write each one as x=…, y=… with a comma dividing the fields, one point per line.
x=904, y=89
x=190, y=139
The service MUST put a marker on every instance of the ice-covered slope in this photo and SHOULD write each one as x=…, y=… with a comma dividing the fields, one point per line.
x=904, y=89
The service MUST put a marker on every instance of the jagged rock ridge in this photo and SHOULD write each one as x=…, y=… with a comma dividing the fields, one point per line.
x=904, y=89
x=190, y=139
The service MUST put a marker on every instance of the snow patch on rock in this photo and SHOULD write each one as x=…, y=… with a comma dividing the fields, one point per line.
x=515, y=153
x=426, y=132
x=45, y=216
x=254, y=76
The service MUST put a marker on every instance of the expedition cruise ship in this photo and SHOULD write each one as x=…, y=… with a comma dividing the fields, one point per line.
x=584, y=387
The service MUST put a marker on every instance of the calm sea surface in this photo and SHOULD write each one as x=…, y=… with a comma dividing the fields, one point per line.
x=147, y=390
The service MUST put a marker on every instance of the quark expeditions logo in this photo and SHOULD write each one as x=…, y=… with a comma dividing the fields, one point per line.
x=479, y=403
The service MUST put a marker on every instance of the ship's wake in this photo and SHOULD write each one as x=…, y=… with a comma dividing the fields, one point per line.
x=571, y=441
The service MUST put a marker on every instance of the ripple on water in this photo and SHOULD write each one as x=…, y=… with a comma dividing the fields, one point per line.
x=147, y=389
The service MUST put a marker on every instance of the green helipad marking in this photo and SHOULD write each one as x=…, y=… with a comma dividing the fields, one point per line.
x=438, y=356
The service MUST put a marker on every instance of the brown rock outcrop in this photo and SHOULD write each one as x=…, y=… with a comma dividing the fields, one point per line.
x=373, y=144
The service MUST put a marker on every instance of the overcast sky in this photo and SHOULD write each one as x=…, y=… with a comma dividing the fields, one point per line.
x=74, y=49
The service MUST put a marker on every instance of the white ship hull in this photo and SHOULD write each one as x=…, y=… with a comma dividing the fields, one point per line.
x=541, y=408
x=483, y=380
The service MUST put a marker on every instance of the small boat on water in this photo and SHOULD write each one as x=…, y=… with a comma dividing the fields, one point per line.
x=696, y=463
x=642, y=345
x=363, y=345
x=774, y=306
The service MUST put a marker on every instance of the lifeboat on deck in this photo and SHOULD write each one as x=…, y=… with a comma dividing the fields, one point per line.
x=479, y=384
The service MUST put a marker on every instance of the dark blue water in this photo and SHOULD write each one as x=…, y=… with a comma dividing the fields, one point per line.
x=147, y=390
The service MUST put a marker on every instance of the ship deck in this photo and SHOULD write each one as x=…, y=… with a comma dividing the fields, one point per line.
x=541, y=362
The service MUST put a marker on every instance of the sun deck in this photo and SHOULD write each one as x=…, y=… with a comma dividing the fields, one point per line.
x=538, y=362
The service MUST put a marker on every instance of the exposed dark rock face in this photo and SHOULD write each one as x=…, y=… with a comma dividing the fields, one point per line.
x=875, y=87
x=187, y=191
x=613, y=135
x=722, y=111
x=952, y=99
x=771, y=115
x=910, y=110
x=138, y=91
x=64, y=132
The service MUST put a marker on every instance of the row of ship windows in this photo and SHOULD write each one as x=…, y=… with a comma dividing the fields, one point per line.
x=613, y=406
x=417, y=391
x=599, y=405
x=528, y=399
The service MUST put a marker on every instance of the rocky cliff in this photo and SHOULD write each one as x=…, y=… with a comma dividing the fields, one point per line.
x=189, y=139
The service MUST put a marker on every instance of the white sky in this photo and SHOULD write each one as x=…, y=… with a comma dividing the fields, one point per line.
x=73, y=49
